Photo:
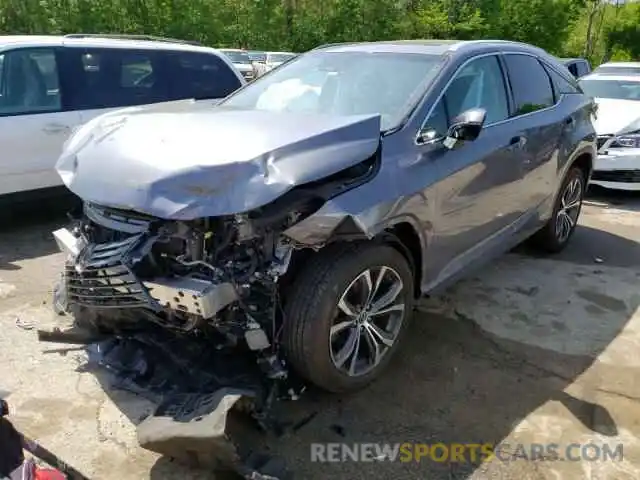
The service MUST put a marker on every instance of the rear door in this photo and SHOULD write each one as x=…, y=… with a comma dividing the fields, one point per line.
x=198, y=75
x=33, y=122
x=540, y=126
x=102, y=79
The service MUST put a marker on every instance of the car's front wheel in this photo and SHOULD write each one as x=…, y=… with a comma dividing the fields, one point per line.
x=555, y=235
x=346, y=314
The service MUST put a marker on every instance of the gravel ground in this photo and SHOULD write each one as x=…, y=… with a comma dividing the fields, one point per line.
x=531, y=350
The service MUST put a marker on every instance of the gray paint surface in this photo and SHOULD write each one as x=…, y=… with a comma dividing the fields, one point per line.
x=190, y=161
x=464, y=205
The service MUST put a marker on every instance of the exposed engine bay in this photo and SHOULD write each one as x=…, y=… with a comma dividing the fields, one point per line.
x=217, y=277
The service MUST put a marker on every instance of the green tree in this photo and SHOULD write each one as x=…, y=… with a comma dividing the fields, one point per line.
x=567, y=27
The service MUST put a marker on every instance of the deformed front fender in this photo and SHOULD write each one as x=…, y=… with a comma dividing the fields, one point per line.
x=333, y=221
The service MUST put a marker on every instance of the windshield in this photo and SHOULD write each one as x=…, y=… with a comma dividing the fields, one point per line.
x=618, y=70
x=619, y=89
x=343, y=83
x=237, y=57
x=280, y=57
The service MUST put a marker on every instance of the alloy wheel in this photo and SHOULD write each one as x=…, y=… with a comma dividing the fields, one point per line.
x=570, y=203
x=370, y=315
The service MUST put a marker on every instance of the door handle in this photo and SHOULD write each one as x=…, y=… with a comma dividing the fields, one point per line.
x=568, y=121
x=53, y=128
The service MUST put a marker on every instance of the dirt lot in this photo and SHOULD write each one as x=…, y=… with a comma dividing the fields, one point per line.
x=531, y=350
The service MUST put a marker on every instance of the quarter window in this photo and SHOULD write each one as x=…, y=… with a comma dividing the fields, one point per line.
x=530, y=84
x=200, y=76
x=480, y=84
x=561, y=85
x=583, y=69
x=29, y=82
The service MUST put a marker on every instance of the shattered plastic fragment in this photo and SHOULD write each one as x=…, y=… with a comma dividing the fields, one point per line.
x=195, y=388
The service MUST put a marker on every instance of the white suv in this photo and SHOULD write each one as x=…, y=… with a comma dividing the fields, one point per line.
x=51, y=85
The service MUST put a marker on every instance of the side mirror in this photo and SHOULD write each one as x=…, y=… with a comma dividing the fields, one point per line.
x=465, y=127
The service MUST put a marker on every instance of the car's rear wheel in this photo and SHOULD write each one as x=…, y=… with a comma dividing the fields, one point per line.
x=555, y=235
x=346, y=314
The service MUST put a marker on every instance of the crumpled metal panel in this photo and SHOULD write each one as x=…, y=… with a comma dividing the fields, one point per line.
x=192, y=428
x=188, y=161
x=194, y=387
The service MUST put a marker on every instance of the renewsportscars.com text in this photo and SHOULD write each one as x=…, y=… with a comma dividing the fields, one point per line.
x=463, y=452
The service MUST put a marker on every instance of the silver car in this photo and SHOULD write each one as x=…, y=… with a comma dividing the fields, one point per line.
x=241, y=60
x=298, y=221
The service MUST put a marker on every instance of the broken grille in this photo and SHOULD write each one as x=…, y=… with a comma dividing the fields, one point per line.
x=101, y=278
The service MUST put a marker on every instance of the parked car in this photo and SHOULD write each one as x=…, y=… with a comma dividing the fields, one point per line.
x=240, y=60
x=257, y=56
x=49, y=86
x=579, y=67
x=618, y=126
x=304, y=215
x=619, y=68
x=275, y=59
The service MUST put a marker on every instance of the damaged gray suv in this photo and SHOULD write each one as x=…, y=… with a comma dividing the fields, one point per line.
x=297, y=222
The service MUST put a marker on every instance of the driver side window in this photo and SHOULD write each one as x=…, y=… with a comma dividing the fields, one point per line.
x=29, y=82
x=479, y=84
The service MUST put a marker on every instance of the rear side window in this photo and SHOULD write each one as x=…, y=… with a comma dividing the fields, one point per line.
x=200, y=76
x=136, y=71
x=530, y=84
x=29, y=82
x=583, y=69
x=561, y=85
x=105, y=78
x=573, y=68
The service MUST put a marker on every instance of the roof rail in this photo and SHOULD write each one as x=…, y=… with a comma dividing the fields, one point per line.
x=115, y=36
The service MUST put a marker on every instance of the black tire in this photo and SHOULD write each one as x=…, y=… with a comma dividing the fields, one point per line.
x=311, y=307
x=549, y=239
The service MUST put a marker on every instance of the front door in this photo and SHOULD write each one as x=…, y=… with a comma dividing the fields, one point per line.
x=476, y=195
x=33, y=125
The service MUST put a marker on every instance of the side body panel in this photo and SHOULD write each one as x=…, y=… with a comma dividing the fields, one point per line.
x=419, y=188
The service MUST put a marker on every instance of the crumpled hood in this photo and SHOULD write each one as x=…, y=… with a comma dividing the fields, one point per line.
x=615, y=115
x=184, y=160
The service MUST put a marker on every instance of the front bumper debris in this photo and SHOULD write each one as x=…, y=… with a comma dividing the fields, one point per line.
x=192, y=429
x=194, y=389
